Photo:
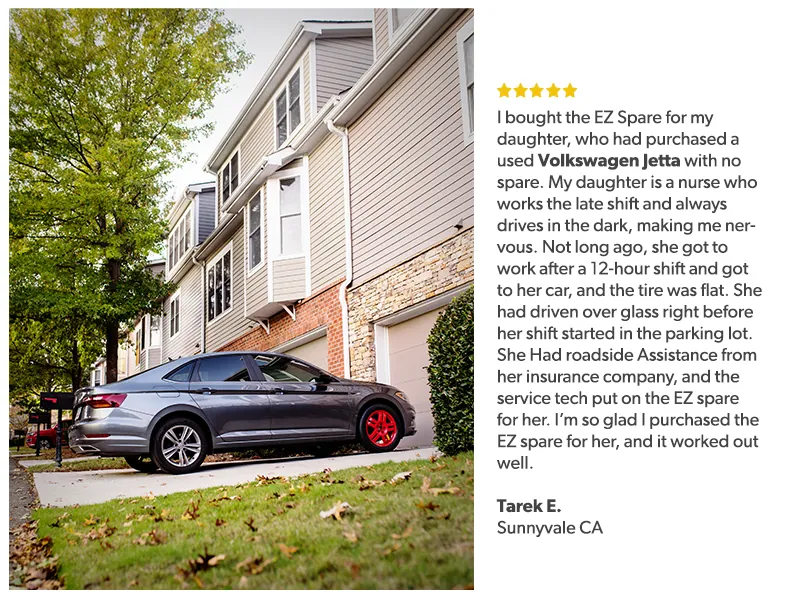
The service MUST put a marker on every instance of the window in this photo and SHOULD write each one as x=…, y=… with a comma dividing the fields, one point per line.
x=254, y=231
x=466, y=70
x=280, y=368
x=230, y=176
x=398, y=17
x=291, y=228
x=181, y=374
x=287, y=109
x=180, y=239
x=98, y=376
x=155, y=331
x=174, y=315
x=219, y=285
x=139, y=344
x=228, y=367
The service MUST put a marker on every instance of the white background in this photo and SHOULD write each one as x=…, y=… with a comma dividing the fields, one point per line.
x=688, y=523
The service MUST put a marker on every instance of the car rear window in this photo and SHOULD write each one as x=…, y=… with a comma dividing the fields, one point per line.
x=181, y=374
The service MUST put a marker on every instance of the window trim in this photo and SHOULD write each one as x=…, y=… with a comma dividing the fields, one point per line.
x=468, y=29
x=172, y=298
x=283, y=88
x=392, y=27
x=150, y=332
x=221, y=177
x=274, y=217
x=250, y=269
x=190, y=213
x=220, y=255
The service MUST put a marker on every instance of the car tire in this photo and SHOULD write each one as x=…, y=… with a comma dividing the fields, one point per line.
x=44, y=444
x=143, y=463
x=380, y=428
x=179, y=446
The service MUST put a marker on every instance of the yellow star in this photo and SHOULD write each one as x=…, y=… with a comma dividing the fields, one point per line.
x=520, y=89
x=536, y=91
x=569, y=91
x=553, y=91
x=504, y=91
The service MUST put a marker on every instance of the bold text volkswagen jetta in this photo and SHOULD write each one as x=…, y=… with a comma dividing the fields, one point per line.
x=178, y=412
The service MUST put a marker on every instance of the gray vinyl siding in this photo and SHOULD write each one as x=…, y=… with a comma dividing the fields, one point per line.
x=340, y=62
x=411, y=172
x=187, y=341
x=380, y=25
x=259, y=140
x=326, y=205
x=233, y=323
x=257, y=292
x=153, y=357
x=205, y=214
x=289, y=279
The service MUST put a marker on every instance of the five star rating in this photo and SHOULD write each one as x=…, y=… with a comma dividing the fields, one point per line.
x=536, y=92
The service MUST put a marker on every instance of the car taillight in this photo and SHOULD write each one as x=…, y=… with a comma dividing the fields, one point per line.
x=106, y=400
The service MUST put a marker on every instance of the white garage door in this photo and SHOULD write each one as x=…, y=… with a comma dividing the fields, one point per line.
x=315, y=352
x=408, y=357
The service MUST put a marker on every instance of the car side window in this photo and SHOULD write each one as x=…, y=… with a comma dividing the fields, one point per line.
x=229, y=367
x=282, y=369
x=181, y=374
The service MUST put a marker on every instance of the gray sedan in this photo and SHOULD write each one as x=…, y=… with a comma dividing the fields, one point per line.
x=171, y=416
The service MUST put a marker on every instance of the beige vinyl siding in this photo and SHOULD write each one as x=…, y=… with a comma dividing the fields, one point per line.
x=233, y=323
x=340, y=62
x=326, y=205
x=411, y=172
x=187, y=341
x=289, y=279
x=380, y=24
x=153, y=357
x=257, y=291
x=258, y=141
x=306, y=83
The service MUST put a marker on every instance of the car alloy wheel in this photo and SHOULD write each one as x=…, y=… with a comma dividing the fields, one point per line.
x=380, y=428
x=179, y=446
x=44, y=444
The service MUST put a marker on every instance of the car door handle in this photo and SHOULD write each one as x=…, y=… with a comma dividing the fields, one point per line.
x=275, y=391
x=204, y=390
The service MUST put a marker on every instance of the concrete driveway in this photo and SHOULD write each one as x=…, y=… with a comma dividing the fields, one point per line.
x=94, y=487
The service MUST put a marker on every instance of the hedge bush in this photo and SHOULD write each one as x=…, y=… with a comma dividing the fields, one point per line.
x=451, y=347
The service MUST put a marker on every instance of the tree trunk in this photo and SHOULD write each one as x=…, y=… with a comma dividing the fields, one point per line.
x=112, y=327
x=76, y=370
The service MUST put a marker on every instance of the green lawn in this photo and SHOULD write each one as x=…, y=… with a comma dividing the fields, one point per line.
x=96, y=464
x=414, y=533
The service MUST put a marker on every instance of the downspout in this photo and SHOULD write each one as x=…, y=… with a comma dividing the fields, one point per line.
x=348, y=244
x=203, y=305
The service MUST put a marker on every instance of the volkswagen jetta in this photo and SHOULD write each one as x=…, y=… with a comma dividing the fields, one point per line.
x=173, y=415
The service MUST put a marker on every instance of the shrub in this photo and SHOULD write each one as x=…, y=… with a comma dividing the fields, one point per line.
x=451, y=376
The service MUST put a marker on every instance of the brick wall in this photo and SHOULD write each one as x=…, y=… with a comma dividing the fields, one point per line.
x=435, y=271
x=321, y=309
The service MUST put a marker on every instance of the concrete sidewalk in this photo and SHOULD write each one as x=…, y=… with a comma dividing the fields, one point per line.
x=50, y=461
x=94, y=487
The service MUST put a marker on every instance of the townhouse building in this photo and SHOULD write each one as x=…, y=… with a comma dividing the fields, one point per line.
x=340, y=220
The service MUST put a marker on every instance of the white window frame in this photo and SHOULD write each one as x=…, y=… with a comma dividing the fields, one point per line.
x=172, y=298
x=260, y=198
x=212, y=264
x=221, y=177
x=274, y=217
x=394, y=29
x=187, y=216
x=468, y=29
x=160, y=322
x=284, y=89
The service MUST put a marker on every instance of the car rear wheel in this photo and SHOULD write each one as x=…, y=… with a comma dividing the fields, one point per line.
x=379, y=428
x=44, y=444
x=179, y=446
x=143, y=463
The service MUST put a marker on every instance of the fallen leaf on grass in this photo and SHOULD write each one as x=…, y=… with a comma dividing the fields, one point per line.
x=150, y=496
x=405, y=534
x=254, y=565
x=427, y=489
x=249, y=523
x=339, y=509
x=429, y=506
x=195, y=565
x=287, y=550
x=220, y=522
x=440, y=517
x=192, y=512
x=151, y=538
x=92, y=520
x=404, y=476
x=393, y=548
x=351, y=536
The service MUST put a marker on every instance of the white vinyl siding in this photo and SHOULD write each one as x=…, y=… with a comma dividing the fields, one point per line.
x=340, y=62
x=326, y=213
x=187, y=341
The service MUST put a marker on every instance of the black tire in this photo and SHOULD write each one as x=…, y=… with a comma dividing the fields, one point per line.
x=143, y=463
x=44, y=444
x=380, y=428
x=323, y=450
x=194, y=449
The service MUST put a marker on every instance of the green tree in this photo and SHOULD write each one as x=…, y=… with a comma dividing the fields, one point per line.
x=103, y=103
